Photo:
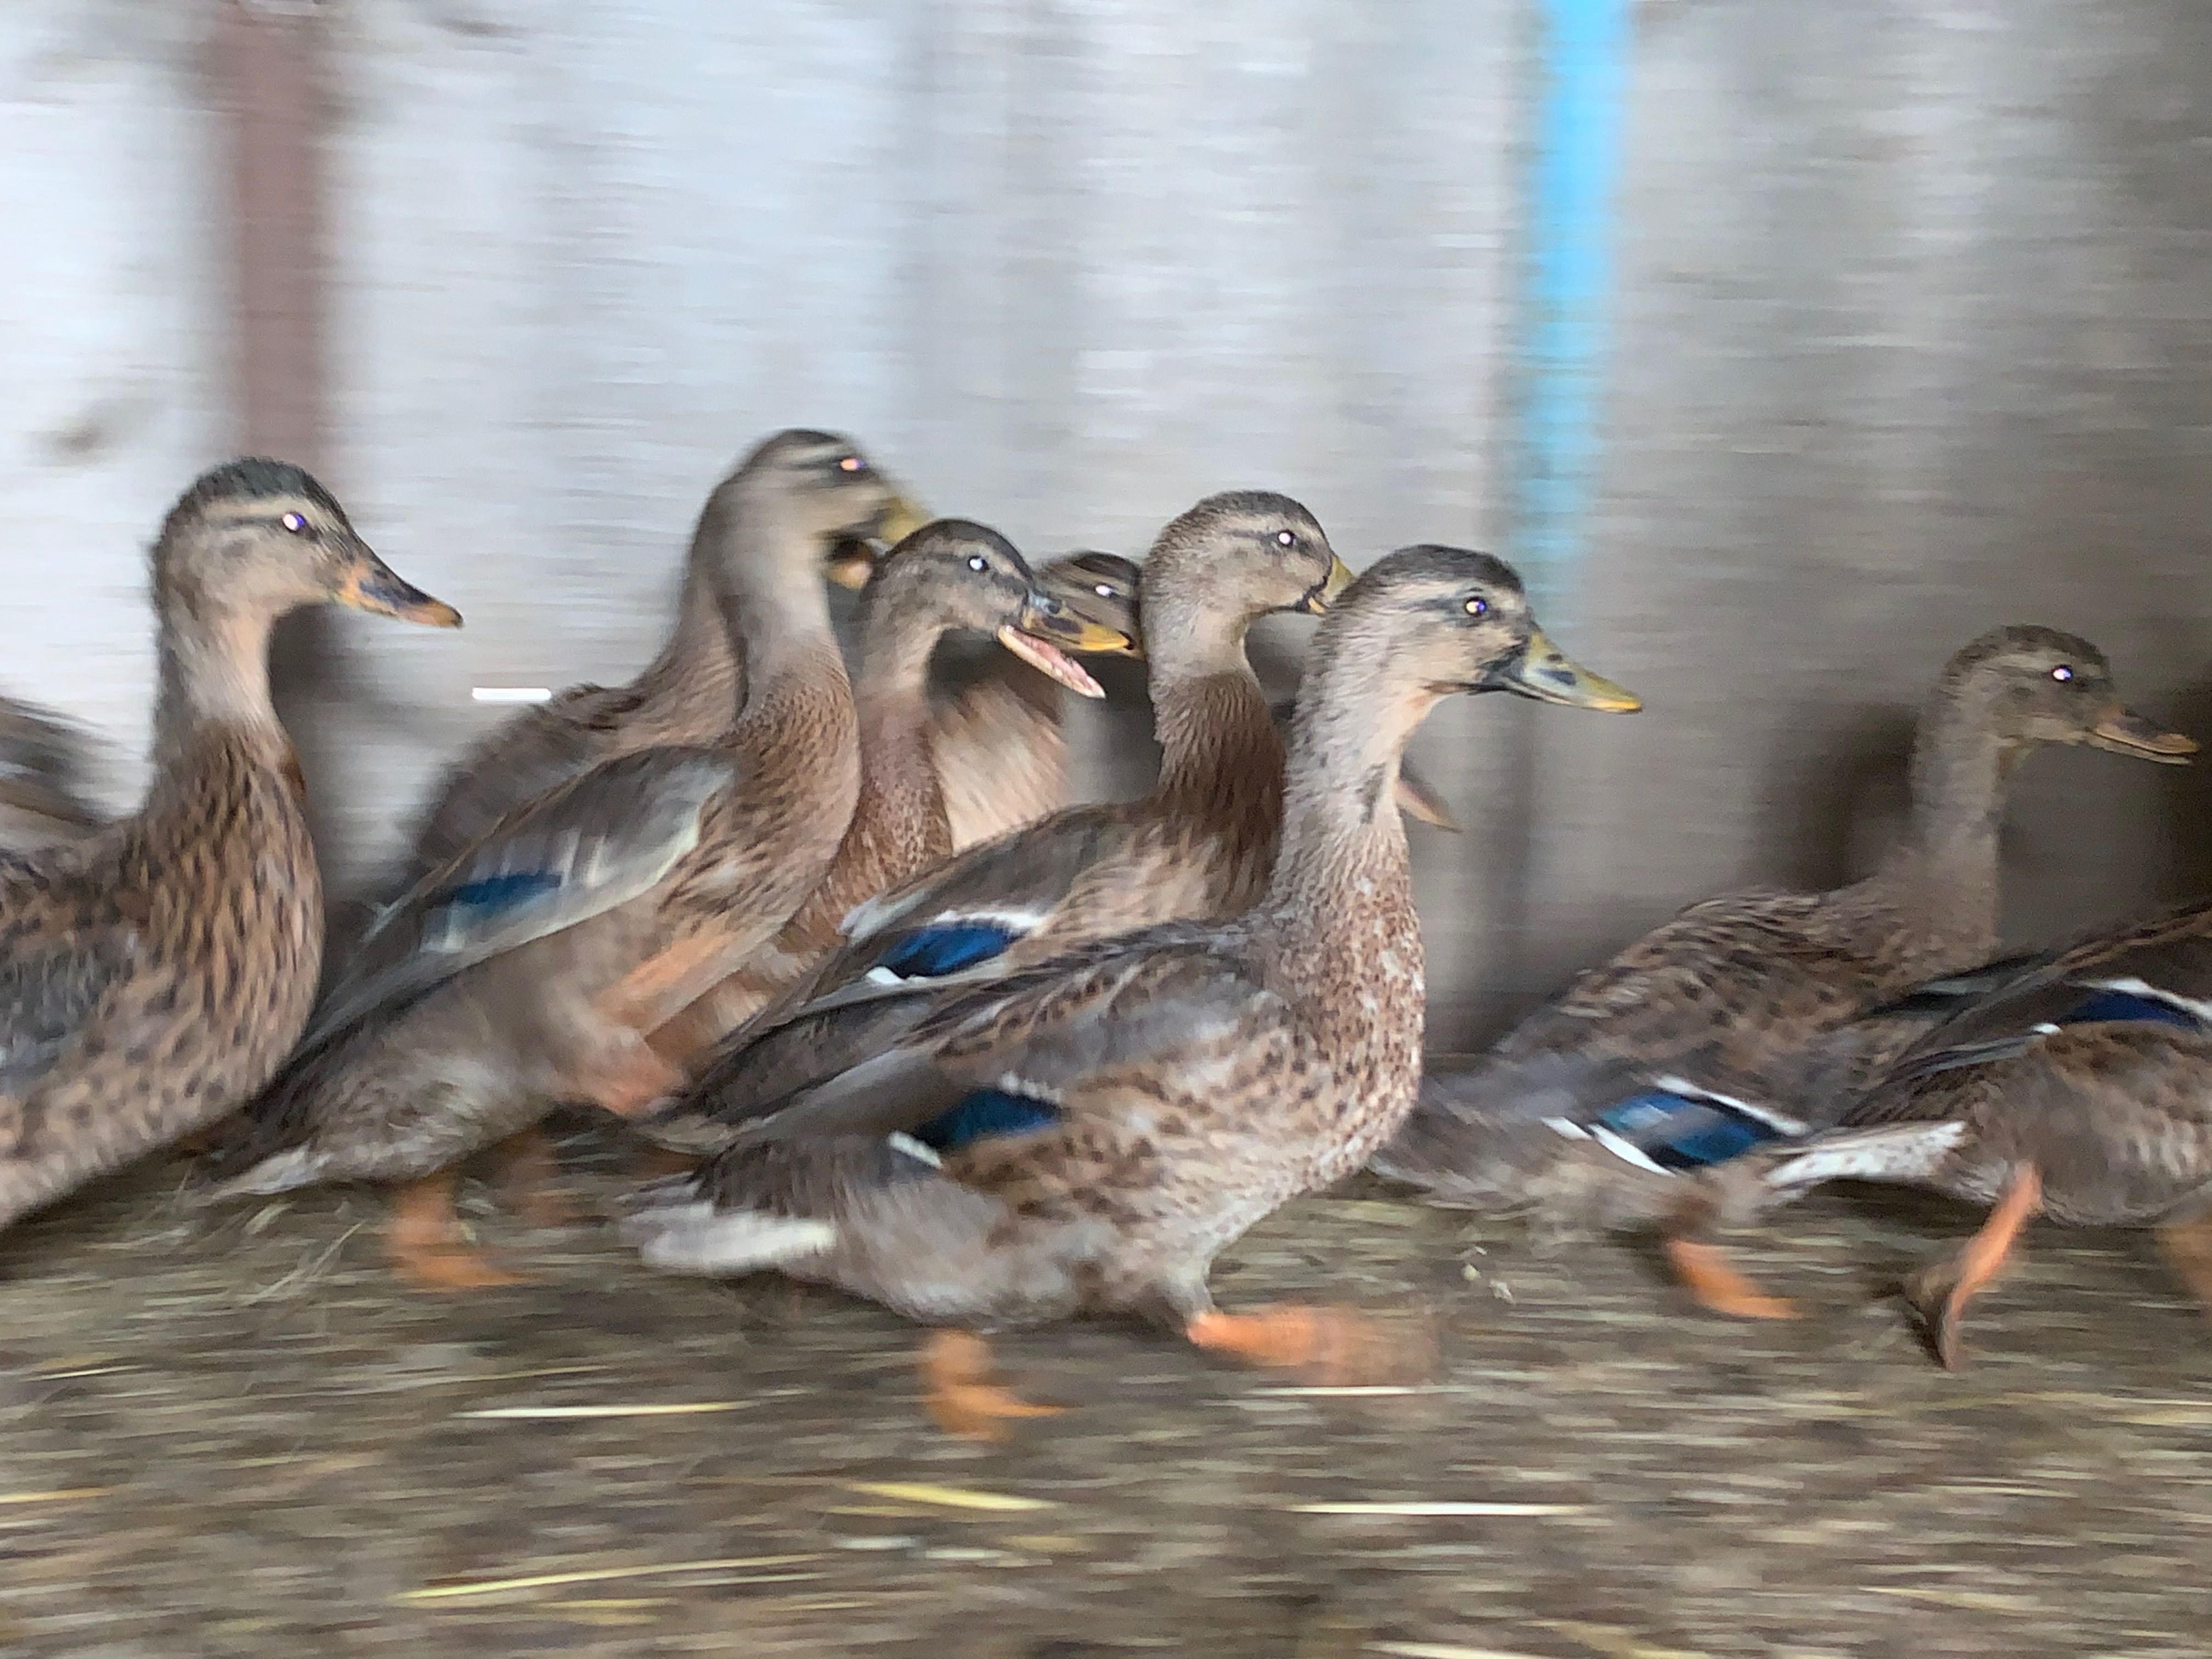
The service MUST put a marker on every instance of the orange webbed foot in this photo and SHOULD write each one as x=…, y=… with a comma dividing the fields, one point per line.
x=1718, y=1284
x=1938, y=1294
x=959, y=1393
x=1327, y=1345
x=425, y=1242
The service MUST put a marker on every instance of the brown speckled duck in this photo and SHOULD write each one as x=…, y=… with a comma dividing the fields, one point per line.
x=1201, y=843
x=155, y=975
x=42, y=767
x=1747, y=1018
x=1089, y=1132
x=953, y=576
x=691, y=692
x=994, y=726
x=532, y=969
x=2080, y=1089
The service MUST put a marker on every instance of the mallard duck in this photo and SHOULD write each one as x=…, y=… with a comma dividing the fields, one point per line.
x=1669, y=1056
x=153, y=974
x=42, y=767
x=1200, y=844
x=1088, y=1133
x=2078, y=1089
x=691, y=692
x=531, y=969
x=952, y=576
x=994, y=727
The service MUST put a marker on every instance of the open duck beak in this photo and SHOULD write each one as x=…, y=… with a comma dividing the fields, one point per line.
x=1044, y=627
x=1549, y=675
x=2123, y=731
x=1319, y=598
x=369, y=584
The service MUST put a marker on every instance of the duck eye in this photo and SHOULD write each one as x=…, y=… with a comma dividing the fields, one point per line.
x=1478, y=606
x=295, y=523
x=1102, y=590
x=1284, y=538
x=2063, y=673
x=977, y=561
x=851, y=463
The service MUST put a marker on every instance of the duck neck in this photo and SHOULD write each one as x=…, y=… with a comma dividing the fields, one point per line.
x=1944, y=872
x=213, y=672
x=693, y=682
x=1343, y=849
x=1219, y=751
x=775, y=609
x=900, y=796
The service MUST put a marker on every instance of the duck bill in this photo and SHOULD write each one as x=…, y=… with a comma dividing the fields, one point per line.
x=369, y=584
x=2123, y=731
x=899, y=519
x=1325, y=593
x=1549, y=675
x=850, y=563
x=1046, y=630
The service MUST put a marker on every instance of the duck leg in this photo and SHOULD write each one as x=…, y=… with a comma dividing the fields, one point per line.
x=1719, y=1283
x=1332, y=1346
x=959, y=1391
x=628, y=1083
x=528, y=1179
x=1938, y=1294
x=424, y=1240
x=2188, y=1247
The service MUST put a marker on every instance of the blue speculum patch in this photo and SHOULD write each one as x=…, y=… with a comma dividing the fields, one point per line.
x=1679, y=1132
x=495, y=892
x=986, y=1113
x=935, y=951
x=2126, y=1006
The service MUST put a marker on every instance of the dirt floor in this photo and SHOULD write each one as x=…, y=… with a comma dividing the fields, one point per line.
x=231, y=1432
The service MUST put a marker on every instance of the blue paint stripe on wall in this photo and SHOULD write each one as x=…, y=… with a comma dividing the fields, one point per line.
x=1583, y=61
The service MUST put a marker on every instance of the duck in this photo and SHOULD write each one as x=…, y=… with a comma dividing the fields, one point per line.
x=44, y=759
x=995, y=731
x=690, y=693
x=531, y=971
x=2075, y=1090
x=1201, y=843
x=1758, y=1016
x=956, y=577
x=995, y=723
x=155, y=972
x=1085, y=1133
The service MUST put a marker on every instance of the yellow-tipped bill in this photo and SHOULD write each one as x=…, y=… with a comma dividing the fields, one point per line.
x=2123, y=731
x=1549, y=675
x=1045, y=626
x=369, y=584
x=1318, y=600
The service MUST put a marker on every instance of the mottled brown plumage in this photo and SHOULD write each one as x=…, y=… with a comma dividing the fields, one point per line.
x=1179, y=1082
x=1763, y=998
x=927, y=588
x=43, y=761
x=1200, y=844
x=153, y=975
x=2080, y=1089
x=995, y=723
x=688, y=693
x=529, y=969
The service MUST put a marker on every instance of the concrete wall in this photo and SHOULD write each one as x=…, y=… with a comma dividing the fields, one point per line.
x=1909, y=341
